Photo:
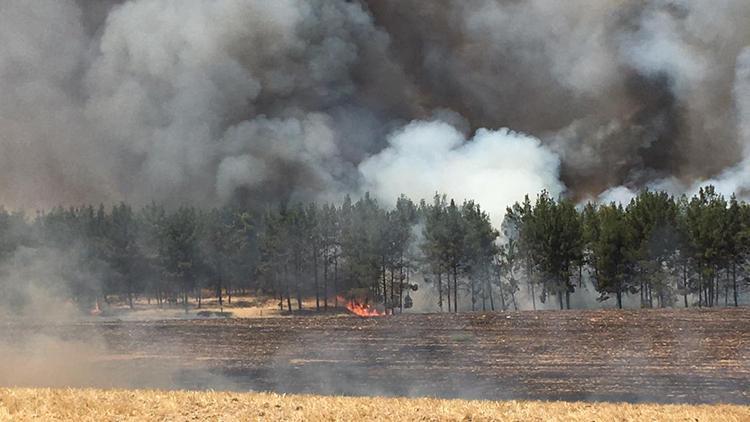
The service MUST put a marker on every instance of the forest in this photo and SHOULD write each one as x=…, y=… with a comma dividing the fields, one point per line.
x=662, y=250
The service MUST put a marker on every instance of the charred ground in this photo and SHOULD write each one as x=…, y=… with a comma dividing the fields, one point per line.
x=688, y=356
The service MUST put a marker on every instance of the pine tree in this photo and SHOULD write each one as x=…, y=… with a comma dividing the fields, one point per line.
x=610, y=241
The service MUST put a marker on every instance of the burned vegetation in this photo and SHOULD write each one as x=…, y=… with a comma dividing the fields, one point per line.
x=669, y=356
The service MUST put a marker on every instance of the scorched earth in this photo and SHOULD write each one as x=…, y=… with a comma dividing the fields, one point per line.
x=692, y=356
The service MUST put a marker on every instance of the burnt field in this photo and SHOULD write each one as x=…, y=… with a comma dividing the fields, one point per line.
x=693, y=356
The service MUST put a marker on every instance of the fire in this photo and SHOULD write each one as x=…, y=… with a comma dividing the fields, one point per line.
x=97, y=310
x=359, y=309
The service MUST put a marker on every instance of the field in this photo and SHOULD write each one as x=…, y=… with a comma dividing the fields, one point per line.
x=654, y=356
x=120, y=405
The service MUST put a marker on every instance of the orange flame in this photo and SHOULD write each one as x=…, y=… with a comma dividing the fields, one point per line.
x=97, y=310
x=359, y=309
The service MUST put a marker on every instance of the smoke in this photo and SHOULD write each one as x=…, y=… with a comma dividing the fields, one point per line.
x=36, y=283
x=187, y=100
x=742, y=95
x=197, y=101
x=496, y=168
x=48, y=339
x=737, y=178
x=625, y=92
x=732, y=180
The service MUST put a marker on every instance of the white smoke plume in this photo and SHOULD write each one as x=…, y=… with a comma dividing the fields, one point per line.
x=495, y=168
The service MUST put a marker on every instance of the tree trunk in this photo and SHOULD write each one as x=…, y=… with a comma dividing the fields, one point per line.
x=717, y=299
x=530, y=281
x=484, y=294
x=440, y=290
x=448, y=290
x=218, y=291
x=503, y=306
x=455, y=288
x=336, y=281
x=642, y=295
x=229, y=291
x=726, y=288
x=662, y=303
x=734, y=282
x=315, y=277
x=685, y=283
x=492, y=300
x=580, y=276
x=714, y=289
x=287, y=288
x=393, y=287
x=619, y=299
x=297, y=278
x=401, y=289
x=401, y=280
x=385, y=287
x=473, y=295
x=325, y=280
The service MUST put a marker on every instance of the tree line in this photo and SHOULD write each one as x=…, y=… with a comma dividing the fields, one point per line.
x=659, y=249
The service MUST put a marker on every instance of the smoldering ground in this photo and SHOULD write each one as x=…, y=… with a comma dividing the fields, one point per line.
x=633, y=356
x=653, y=355
x=259, y=101
x=48, y=337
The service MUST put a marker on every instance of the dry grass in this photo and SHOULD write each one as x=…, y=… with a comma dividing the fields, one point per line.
x=242, y=306
x=123, y=405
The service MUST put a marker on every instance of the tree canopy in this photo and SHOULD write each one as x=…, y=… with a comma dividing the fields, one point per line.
x=657, y=250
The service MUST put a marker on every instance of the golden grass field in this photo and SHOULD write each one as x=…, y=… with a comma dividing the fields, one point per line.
x=133, y=405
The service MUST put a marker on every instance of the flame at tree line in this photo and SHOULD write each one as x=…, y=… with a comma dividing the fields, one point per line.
x=359, y=309
x=360, y=249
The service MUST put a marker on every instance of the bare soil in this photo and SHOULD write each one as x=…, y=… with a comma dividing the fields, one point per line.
x=662, y=356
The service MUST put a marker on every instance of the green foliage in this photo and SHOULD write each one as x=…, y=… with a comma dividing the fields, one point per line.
x=610, y=242
x=659, y=249
x=552, y=233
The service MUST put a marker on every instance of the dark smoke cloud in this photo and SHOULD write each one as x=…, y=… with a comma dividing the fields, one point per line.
x=190, y=100
x=206, y=101
x=625, y=91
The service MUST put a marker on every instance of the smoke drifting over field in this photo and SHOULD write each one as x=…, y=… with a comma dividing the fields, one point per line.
x=202, y=101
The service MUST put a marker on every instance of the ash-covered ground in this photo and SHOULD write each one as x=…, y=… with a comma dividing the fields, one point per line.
x=688, y=356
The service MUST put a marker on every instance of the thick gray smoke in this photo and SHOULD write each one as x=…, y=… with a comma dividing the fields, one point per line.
x=189, y=100
x=733, y=180
x=206, y=101
x=625, y=91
